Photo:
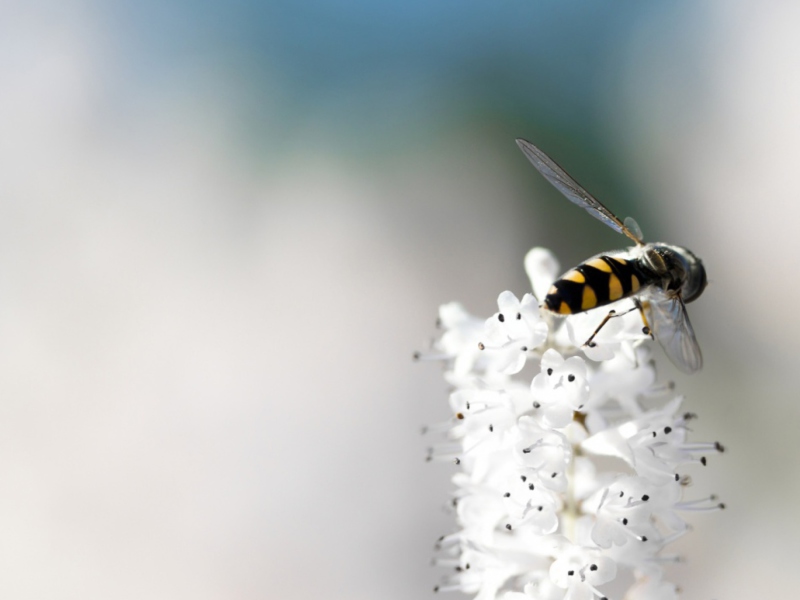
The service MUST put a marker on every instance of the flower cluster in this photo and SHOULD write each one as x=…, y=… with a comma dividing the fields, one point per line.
x=535, y=416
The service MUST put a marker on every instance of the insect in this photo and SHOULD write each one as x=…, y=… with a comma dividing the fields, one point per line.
x=660, y=278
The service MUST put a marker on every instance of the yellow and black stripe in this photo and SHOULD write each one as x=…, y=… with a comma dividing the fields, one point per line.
x=597, y=282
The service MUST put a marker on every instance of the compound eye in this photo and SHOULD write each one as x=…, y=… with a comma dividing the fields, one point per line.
x=696, y=283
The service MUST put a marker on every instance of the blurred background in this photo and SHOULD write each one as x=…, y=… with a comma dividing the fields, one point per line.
x=225, y=227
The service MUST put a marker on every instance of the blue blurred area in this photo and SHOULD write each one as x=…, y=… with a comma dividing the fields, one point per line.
x=372, y=81
x=373, y=69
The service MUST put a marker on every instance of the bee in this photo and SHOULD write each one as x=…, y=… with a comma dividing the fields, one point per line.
x=660, y=278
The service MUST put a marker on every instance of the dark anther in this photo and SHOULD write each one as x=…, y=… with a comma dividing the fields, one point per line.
x=416, y=355
x=466, y=566
x=571, y=378
x=530, y=486
x=625, y=521
x=667, y=429
x=467, y=405
x=526, y=450
x=654, y=434
x=549, y=371
x=501, y=317
x=593, y=567
x=719, y=447
x=491, y=428
x=645, y=498
x=519, y=316
x=507, y=495
x=524, y=348
x=621, y=494
x=540, y=508
x=592, y=344
x=703, y=460
x=643, y=538
x=481, y=346
x=554, y=475
x=524, y=478
x=508, y=526
x=677, y=477
x=570, y=573
x=459, y=416
x=458, y=569
x=721, y=505
x=646, y=330
x=536, y=404
x=458, y=461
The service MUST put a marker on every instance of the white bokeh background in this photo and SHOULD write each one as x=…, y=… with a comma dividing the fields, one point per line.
x=206, y=385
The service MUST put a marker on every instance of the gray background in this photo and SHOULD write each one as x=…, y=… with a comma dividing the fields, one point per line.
x=224, y=228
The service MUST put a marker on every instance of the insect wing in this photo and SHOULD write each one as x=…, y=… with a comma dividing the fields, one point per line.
x=632, y=226
x=673, y=330
x=565, y=184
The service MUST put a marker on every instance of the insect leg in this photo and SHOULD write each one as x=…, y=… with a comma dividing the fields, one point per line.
x=638, y=305
x=611, y=314
x=647, y=330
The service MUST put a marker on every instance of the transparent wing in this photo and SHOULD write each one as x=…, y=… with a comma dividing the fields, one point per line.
x=673, y=330
x=565, y=184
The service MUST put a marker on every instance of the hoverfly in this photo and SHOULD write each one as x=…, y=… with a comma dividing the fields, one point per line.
x=660, y=278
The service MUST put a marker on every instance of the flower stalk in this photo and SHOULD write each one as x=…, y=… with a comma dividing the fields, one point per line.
x=573, y=462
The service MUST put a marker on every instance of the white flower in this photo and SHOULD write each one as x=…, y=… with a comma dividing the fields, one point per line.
x=512, y=332
x=560, y=388
x=580, y=570
x=542, y=269
x=462, y=333
x=624, y=380
x=542, y=454
x=540, y=516
x=627, y=509
x=618, y=337
x=541, y=587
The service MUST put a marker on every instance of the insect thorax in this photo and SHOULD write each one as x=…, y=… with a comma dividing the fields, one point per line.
x=676, y=269
x=597, y=282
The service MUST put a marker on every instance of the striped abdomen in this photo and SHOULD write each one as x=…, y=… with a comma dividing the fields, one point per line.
x=596, y=282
